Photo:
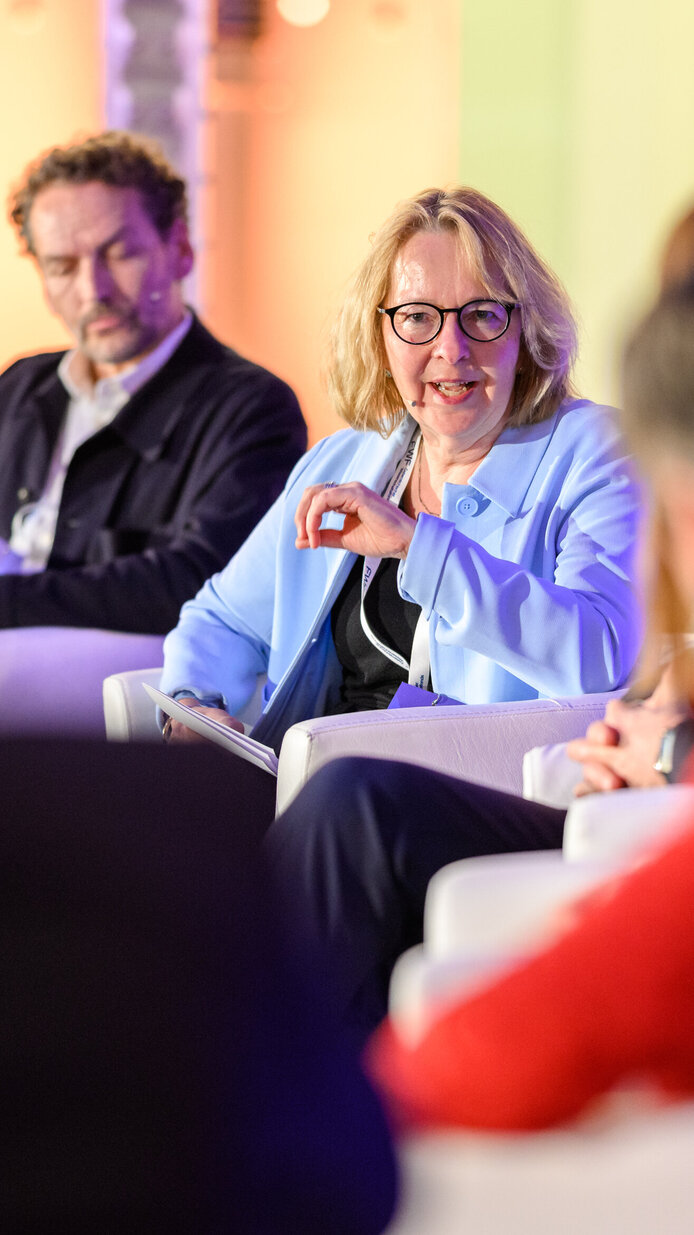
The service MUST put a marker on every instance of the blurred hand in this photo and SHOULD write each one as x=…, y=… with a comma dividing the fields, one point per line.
x=372, y=525
x=620, y=750
x=176, y=733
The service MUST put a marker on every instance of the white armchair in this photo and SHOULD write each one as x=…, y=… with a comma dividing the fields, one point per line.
x=622, y=1173
x=478, y=742
x=131, y=716
x=483, y=914
x=626, y=1170
x=484, y=743
x=626, y=1173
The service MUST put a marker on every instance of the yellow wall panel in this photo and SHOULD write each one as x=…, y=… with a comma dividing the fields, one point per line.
x=587, y=142
x=50, y=71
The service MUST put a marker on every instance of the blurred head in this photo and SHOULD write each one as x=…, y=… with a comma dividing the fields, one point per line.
x=677, y=264
x=659, y=420
x=105, y=221
x=496, y=257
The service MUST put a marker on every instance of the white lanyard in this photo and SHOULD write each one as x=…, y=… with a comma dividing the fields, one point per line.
x=418, y=667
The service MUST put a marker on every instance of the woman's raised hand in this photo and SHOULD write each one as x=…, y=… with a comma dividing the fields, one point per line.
x=372, y=526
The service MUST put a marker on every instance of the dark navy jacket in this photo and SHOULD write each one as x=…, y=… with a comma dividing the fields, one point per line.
x=156, y=501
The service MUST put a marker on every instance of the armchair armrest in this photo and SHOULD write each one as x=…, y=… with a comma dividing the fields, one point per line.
x=129, y=713
x=629, y=1170
x=610, y=826
x=131, y=716
x=484, y=743
x=481, y=916
x=549, y=775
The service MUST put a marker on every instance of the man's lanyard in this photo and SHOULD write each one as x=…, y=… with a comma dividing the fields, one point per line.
x=418, y=668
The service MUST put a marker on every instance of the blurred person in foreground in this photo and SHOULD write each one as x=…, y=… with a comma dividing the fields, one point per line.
x=613, y=1000
x=474, y=528
x=167, y=1062
x=137, y=461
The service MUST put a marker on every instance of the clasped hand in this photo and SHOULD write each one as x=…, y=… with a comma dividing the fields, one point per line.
x=620, y=750
x=373, y=527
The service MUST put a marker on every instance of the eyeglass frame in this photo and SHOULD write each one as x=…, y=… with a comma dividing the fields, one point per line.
x=509, y=306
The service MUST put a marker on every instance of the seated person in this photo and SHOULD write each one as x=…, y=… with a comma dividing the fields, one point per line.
x=357, y=847
x=360, y=843
x=613, y=999
x=480, y=519
x=137, y=462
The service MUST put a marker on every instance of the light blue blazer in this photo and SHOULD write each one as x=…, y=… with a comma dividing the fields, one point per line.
x=526, y=579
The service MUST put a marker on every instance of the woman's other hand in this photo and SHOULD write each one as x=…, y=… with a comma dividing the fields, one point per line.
x=373, y=527
x=175, y=732
x=620, y=751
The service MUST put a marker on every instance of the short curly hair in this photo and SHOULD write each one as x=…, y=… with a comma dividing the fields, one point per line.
x=508, y=268
x=115, y=158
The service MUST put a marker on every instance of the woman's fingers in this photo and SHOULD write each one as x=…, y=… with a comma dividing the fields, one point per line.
x=315, y=501
x=598, y=777
x=175, y=732
x=372, y=525
x=302, y=509
x=327, y=498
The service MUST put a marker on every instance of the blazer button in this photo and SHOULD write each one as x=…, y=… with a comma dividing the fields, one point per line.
x=73, y=523
x=468, y=506
x=22, y=494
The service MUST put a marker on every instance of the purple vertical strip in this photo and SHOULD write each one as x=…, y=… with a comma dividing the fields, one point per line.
x=154, y=63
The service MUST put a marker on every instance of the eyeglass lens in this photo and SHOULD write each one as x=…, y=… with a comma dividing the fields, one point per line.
x=482, y=320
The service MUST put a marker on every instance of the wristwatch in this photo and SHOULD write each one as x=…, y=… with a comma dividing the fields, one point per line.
x=675, y=746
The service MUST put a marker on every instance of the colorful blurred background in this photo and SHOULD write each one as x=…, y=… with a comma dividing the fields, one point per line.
x=299, y=124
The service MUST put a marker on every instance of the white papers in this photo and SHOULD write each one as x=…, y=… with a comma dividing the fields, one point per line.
x=238, y=743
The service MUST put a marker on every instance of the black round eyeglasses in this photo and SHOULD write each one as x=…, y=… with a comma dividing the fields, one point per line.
x=481, y=320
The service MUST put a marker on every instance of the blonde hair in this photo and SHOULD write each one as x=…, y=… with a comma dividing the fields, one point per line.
x=498, y=253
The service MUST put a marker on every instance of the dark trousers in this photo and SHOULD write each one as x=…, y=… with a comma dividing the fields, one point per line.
x=356, y=849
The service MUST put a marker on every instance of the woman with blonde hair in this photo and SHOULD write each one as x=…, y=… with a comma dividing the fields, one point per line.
x=359, y=845
x=472, y=530
x=613, y=1000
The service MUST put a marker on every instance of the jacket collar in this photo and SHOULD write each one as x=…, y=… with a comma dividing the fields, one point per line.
x=504, y=475
x=118, y=387
x=507, y=472
x=148, y=418
x=378, y=456
x=151, y=415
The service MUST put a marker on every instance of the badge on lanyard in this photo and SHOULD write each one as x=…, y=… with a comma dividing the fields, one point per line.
x=418, y=667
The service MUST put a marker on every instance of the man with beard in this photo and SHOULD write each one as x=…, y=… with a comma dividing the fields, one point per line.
x=135, y=464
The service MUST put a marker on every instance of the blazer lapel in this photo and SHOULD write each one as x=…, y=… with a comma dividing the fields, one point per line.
x=37, y=422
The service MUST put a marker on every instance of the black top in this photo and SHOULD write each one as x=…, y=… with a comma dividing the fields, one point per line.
x=370, y=679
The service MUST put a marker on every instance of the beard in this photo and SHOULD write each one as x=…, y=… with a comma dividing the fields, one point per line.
x=125, y=340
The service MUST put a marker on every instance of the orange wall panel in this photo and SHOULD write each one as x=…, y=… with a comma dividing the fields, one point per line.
x=315, y=134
